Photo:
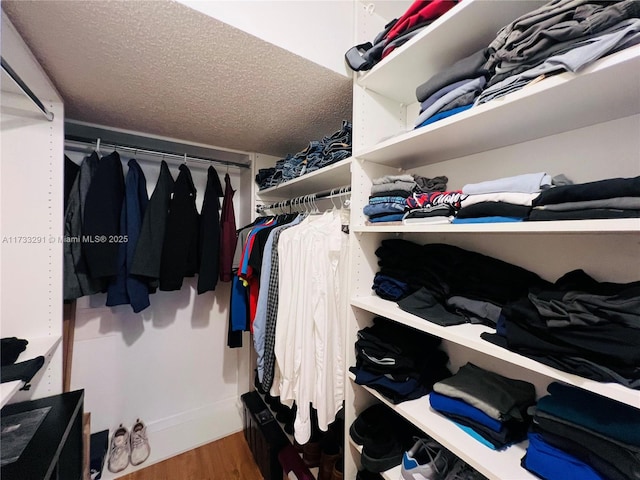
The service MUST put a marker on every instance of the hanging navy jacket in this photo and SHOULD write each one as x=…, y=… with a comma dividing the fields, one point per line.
x=180, y=248
x=127, y=288
x=209, y=254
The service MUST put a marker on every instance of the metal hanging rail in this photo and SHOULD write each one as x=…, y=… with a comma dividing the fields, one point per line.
x=25, y=89
x=81, y=145
x=306, y=199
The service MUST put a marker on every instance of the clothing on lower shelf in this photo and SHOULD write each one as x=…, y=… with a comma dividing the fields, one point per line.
x=493, y=406
x=583, y=433
x=577, y=325
x=397, y=361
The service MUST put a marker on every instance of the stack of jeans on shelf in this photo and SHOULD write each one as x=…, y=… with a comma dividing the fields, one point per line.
x=577, y=325
x=397, y=361
x=489, y=407
x=578, y=434
x=318, y=154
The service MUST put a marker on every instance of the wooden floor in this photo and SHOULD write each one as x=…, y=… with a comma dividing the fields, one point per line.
x=226, y=459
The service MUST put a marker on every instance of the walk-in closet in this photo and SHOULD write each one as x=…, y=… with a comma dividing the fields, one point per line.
x=320, y=240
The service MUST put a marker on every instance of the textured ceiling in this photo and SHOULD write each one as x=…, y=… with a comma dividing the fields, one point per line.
x=162, y=68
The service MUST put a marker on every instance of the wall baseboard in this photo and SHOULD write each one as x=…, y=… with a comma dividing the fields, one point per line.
x=177, y=434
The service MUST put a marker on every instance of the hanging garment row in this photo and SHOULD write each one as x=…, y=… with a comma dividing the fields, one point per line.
x=298, y=336
x=119, y=241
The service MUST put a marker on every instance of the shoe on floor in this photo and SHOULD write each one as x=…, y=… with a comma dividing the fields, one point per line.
x=426, y=460
x=119, y=450
x=140, y=448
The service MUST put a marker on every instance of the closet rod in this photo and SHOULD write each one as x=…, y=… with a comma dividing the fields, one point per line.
x=334, y=192
x=80, y=145
x=25, y=89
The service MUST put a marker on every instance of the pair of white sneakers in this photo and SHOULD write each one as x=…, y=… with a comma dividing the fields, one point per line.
x=128, y=447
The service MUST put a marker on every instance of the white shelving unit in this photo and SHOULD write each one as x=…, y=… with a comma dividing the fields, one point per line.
x=622, y=225
x=501, y=122
x=36, y=347
x=468, y=335
x=583, y=125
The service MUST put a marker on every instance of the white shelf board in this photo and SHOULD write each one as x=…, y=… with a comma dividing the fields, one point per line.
x=618, y=225
x=468, y=335
x=332, y=176
x=393, y=474
x=36, y=347
x=447, y=40
x=498, y=465
x=554, y=105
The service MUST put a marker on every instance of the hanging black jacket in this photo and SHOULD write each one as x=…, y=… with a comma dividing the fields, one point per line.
x=148, y=253
x=101, y=220
x=209, y=246
x=180, y=248
x=76, y=279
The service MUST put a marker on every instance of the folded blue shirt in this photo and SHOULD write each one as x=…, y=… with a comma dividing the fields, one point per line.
x=552, y=463
x=441, y=115
x=445, y=404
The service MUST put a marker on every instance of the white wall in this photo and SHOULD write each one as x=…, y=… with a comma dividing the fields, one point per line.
x=168, y=365
x=318, y=30
x=31, y=186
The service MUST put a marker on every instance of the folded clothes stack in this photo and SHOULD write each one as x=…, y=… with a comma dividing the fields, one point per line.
x=563, y=35
x=452, y=90
x=611, y=198
x=391, y=195
x=578, y=434
x=489, y=407
x=397, y=361
x=388, y=199
x=318, y=154
x=502, y=200
x=560, y=36
x=449, y=285
x=577, y=325
x=433, y=208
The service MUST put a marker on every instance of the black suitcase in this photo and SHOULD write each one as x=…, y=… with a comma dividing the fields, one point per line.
x=264, y=435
